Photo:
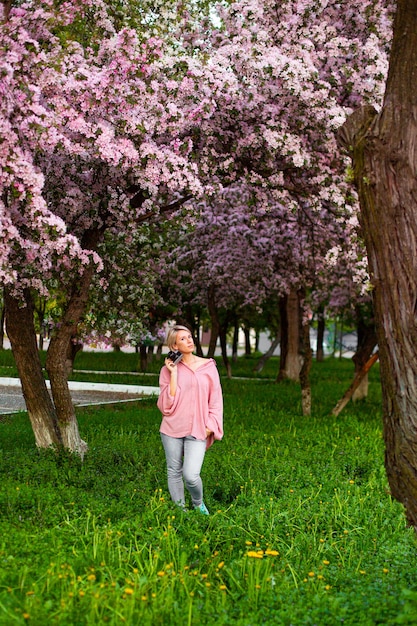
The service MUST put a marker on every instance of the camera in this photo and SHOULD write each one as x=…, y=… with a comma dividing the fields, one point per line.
x=175, y=357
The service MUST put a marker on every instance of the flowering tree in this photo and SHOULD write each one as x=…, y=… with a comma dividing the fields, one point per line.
x=80, y=127
x=299, y=68
x=101, y=136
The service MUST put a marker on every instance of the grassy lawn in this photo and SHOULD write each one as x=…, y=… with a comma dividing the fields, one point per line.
x=302, y=529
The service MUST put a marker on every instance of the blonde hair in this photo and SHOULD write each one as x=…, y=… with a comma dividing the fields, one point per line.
x=172, y=335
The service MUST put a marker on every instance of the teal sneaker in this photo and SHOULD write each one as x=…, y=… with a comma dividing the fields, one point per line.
x=202, y=508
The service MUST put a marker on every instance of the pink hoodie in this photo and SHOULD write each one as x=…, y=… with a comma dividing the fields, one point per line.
x=197, y=404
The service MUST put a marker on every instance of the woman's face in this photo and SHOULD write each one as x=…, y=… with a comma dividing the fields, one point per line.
x=184, y=342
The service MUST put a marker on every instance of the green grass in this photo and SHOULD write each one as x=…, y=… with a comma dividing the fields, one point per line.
x=302, y=530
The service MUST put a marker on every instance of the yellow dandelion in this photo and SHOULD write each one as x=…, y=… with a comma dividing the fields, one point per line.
x=321, y=540
x=144, y=598
x=351, y=482
x=129, y=591
x=362, y=571
x=320, y=577
x=26, y=616
x=272, y=552
x=208, y=584
x=248, y=543
x=385, y=570
x=161, y=574
x=91, y=577
x=203, y=575
x=81, y=593
x=311, y=574
x=222, y=587
x=220, y=565
x=326, y=562
x=255, y=555
x=327, y=587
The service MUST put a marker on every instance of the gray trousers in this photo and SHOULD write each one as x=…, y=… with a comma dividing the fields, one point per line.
x=184, y=456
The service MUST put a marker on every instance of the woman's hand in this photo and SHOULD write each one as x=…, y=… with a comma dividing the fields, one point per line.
x=208, y=432
x=170, y=365
x=173, y=371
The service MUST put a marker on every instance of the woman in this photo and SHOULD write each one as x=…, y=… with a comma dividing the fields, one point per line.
x=191, y=404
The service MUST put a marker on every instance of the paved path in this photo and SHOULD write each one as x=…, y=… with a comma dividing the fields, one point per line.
x=12, y=401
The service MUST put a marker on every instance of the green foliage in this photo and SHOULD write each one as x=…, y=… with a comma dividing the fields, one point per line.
x=302, y=530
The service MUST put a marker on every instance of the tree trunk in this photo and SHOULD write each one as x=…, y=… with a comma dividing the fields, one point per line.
x=6, y=10
x=383, y=147
x=21, y=332
x=264, y=358
x=356, y=383
x=223, y=344
x=235, y=339
x=307, y=356
x=199, y=348
x=290, y=362
x=283, y=314
x=151, y=353
x=215, y=323
x=321, y=327
x=367, y=341
x=40, y=310
x=246, y=333
x=2, y=321
x=143, y=358
x=341, y=332
x=57, y=363
x=257, y=338
x=196, y=325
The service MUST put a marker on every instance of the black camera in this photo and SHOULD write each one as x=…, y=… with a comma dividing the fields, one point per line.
x=175, y=357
